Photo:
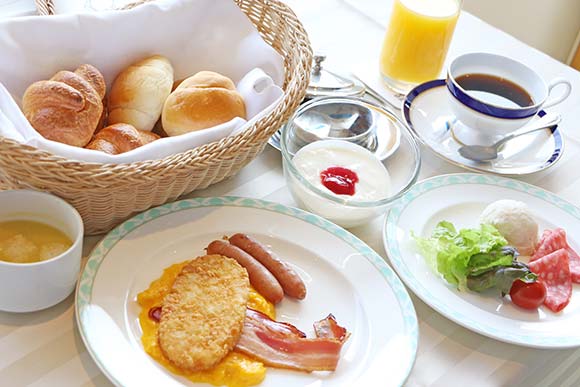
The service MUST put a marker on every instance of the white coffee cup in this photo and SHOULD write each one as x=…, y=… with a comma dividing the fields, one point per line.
x=485, y=122
x=26, y=287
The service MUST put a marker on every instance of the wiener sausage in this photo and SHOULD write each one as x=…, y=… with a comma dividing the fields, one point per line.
x=291, y=282
x=260, y=278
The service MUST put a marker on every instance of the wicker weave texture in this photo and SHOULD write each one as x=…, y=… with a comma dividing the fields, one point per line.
x=44, y=7
x=106, y=194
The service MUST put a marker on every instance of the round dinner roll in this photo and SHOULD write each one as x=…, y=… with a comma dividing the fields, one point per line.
x=201, y=101
x=139, y=91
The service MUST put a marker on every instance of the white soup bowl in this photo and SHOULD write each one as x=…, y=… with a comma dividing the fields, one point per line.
x=27, y=287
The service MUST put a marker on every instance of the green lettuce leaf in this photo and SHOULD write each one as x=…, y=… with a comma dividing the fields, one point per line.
x=482, y=262
x=501, y=278
x=450, y=252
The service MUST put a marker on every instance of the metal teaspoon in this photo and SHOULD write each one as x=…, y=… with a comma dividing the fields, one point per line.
x=489, y=152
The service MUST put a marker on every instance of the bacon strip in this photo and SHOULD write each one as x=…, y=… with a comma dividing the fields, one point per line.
x=329, y=328
x=282, y=345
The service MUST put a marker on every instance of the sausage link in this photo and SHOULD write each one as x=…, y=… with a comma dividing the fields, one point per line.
x=260, y=278
x=291, y=282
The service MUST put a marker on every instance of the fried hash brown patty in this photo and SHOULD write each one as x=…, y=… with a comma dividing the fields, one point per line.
x=203, y=314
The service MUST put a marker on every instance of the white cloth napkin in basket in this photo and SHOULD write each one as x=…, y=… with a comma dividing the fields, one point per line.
x=194, y=35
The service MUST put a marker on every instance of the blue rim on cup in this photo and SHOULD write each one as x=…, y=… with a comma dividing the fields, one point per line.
x=486, y=122
x=504, y=67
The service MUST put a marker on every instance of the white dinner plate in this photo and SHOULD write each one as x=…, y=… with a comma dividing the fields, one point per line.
x=460, y=198
x=343, y=277
x=429, y=117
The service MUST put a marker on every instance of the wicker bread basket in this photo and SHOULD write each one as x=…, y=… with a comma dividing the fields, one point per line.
x=106, y=194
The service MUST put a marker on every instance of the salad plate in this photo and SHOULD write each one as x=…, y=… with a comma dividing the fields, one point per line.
x=427, y=114
x=343, y=276
x=459, y=199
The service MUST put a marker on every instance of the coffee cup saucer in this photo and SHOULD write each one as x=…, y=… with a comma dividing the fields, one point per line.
x=427, y=114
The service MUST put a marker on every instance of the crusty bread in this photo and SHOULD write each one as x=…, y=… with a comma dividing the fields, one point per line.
x=120, y=138
x=203, y=314
x=94, y=77
x=67, y=108
x=201, y=101
x=139, y=91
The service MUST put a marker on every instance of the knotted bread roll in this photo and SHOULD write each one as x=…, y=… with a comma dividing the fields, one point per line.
x=67, y=108
x=139, y=91
x=201, y=101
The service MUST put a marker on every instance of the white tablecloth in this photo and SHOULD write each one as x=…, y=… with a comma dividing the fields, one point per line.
x=44, y=348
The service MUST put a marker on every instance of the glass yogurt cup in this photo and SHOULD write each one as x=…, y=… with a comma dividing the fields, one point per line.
x=347, y=159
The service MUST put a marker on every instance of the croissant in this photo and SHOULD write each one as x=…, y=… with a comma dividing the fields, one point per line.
x=120, y=138
x=68, y=107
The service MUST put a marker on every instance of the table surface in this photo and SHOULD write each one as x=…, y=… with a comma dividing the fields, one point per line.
x=45, y=349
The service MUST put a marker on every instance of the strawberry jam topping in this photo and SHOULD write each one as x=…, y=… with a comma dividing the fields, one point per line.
x=339, y=180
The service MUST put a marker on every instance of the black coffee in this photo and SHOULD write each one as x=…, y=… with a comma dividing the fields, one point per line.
x=495, y=90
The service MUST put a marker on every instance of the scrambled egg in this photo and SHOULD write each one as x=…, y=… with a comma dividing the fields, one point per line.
x=235, y=370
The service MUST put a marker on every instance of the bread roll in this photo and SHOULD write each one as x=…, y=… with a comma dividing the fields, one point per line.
x=202, y=101
x=94, y=77
x=120, y=138
x=139, y=91
x=67, y=108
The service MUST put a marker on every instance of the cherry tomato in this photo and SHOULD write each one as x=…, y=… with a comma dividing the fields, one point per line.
x=528, y=295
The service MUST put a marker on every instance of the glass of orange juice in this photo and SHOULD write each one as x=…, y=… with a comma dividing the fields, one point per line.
x=416, y=41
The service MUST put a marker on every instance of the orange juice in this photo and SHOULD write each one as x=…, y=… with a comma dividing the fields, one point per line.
x=417, y=40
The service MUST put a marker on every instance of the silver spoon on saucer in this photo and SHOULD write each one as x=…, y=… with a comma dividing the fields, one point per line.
x=489, y=152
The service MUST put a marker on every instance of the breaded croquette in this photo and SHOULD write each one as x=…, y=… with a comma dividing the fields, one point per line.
x=203, y=314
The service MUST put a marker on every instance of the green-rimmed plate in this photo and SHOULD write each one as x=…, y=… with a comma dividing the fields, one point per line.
x=460, y=198
x=343, y=277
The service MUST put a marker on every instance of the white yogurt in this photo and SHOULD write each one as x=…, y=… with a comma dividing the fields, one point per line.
x=374, y=182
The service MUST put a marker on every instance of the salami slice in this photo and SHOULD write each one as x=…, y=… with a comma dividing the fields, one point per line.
x=543, y=238
x=574, y=265
x=554, y=271
x=555, y=240
x=551, y=241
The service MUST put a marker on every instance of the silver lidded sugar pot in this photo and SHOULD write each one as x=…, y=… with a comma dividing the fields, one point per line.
x=324, y=83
